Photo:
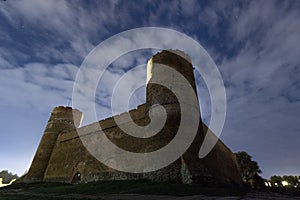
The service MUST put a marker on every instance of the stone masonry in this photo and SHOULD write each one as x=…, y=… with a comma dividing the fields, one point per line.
x=62, y=157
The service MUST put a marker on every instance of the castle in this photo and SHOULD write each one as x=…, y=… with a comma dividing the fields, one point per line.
x=62, y=157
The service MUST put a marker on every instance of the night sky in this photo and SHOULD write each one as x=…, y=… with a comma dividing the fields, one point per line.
x=255, y=45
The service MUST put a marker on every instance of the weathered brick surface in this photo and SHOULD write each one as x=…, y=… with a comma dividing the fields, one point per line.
x=61, y=155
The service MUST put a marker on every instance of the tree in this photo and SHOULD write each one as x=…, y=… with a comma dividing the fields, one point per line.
x=285, y=181
x=276, y=181
x=7, y=176
x=248, y=168
x=291, y=180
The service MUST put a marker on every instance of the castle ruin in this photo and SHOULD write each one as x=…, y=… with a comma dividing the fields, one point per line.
x=62, y=157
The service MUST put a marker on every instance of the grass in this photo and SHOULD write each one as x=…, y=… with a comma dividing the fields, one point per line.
x=22, y=197
x=45, y=191
x=291, y=191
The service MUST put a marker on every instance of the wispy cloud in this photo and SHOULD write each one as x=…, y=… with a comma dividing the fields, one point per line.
x=262, y=79
x=255, y=43
x=66, y=31
x=36, y=84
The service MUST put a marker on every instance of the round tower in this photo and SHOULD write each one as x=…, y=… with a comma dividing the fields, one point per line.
x=175, y=59
x=61, y=119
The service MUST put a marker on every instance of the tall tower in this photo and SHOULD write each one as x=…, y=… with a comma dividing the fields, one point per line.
x=61, y=119
x=174, y=63
x=178, y=61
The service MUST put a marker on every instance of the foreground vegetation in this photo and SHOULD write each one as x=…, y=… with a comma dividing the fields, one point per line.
x=249, y=170
x=52, y=191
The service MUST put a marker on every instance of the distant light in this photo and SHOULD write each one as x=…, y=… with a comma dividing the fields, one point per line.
x=266, y=184
x=295, y=186
x=276, y=184
x=3, y=185
x=284, y=183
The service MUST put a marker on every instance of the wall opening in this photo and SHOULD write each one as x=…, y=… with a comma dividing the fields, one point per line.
x=76, y=177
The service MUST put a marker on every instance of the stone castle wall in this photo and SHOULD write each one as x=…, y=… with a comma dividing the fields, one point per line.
x=61, y=119
x=70, y=158
x=61, y=155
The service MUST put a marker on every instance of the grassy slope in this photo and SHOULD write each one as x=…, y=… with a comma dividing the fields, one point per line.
x=45, y=191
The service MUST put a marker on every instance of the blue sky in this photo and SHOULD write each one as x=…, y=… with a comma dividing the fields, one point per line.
x=255, y=45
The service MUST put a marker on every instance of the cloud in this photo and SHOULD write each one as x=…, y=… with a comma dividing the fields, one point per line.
x=264, y=61
x=66, y=32
x=262, y=81
x=255, y=44
x=4, y=63
x=103, y=86
x=37, y=85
